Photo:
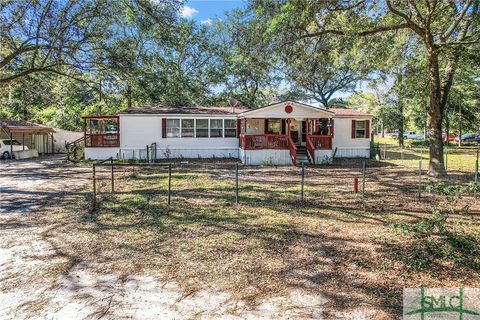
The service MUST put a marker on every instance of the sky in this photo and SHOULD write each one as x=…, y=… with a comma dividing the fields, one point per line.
x=205, y=11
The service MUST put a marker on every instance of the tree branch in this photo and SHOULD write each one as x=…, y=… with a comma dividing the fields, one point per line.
x=457, y=20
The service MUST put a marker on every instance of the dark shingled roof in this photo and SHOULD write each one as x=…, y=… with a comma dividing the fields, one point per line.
x=215, y=110
x=24, y=126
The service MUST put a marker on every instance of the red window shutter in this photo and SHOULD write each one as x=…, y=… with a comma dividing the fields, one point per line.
x=367, y=128
x=332, y=127
x=164, y=127
x=353, y=129
x=266, y=126
x=239, y=124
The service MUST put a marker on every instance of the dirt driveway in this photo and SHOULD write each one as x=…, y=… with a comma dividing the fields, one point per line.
x=38, y=280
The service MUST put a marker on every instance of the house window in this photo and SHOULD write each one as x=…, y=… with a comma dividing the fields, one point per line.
x=360, y=129
x=274, y=126
x=201, y=128
x=187, y=128
x=173, y=128
x=216, y=128
x=230, y=128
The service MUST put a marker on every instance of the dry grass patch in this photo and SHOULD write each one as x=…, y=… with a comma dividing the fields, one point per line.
x=271, y=242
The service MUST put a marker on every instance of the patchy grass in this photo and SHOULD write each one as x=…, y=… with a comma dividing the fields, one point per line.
x=350, y=251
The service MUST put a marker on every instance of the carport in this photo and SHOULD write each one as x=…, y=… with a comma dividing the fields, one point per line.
x=34, y=136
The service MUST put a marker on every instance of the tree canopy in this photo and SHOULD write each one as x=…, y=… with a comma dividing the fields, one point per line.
x=410, y=63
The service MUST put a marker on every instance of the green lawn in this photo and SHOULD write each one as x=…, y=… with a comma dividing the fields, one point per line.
x=456, y=158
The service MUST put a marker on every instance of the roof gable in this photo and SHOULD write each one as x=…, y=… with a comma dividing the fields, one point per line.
x=287, y=109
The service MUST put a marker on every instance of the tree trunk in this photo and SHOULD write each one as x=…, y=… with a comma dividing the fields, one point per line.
x=436, y=166
x=129, y=96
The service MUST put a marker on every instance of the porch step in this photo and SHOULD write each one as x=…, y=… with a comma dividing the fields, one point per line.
x=302, y=158
x=301, y=150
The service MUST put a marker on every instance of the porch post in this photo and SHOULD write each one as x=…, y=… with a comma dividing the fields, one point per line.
x=288, y=126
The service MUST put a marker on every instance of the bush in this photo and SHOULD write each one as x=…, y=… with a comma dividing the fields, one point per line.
x=434, y=240
x=453, y=190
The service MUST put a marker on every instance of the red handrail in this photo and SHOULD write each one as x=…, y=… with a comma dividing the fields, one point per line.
x=310, y=149
x=102, y=140
x=320, y=142
x=293, y=150
x=76, y=141
x=263, y=141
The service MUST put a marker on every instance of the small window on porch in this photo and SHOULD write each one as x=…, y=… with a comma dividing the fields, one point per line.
x=274, y=126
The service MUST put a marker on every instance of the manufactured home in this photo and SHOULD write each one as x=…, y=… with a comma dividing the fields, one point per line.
x=283, y=133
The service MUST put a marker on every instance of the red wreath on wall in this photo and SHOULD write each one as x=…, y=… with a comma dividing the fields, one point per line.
x=288, y=109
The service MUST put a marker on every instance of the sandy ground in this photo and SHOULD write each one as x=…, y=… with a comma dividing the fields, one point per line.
x=27, y=258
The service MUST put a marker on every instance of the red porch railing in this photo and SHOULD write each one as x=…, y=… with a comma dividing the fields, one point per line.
x=263, y=141
x=103, y=140
x=293, y=150
x=310, y=149
x=320, y=142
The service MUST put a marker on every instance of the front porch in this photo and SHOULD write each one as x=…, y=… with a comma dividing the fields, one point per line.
x=286, y=141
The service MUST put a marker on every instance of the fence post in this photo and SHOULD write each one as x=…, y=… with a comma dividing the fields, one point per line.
x=303, y=179
x=94, y=185
x=169, y=181
x=236, y=183
x=148, y=154
x=384, y=151
x=476, y=177
x=113, y=185
x=420, y=179
x=363, y=183
x=401, y=152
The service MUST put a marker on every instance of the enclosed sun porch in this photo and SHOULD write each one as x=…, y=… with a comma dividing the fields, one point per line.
x=284, y=134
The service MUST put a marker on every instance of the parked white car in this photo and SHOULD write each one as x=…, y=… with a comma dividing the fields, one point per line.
x=5, y=147
x=412, y=135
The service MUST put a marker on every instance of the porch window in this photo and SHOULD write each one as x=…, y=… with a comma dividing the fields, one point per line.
x=216, y=128
x=187, y=128
x=102, y=131
x=274, y=126
x=173, y=128
x=360, y=129
x=201, y=128
x=230, y=128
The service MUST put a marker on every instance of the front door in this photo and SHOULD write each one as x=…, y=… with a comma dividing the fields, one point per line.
x=303, y=134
